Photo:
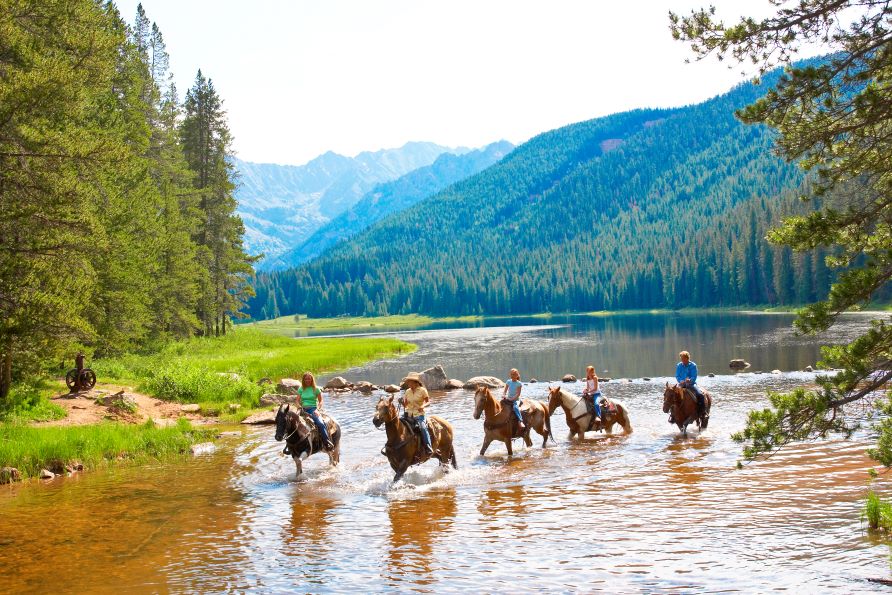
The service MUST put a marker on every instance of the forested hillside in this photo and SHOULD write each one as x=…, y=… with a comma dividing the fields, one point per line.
x=117, y=224
x=645, y=209
x=392, y=197
x=282, y=205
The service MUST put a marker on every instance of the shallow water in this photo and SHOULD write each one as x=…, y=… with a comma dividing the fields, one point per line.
x=648, y=512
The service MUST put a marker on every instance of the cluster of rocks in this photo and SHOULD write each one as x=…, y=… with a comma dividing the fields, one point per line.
x=11, y=474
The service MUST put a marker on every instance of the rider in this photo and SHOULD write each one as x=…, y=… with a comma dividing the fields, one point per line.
x=415, y=400
x=592, y=392
x=512, y=390
x=310, y=399
x=686, y=375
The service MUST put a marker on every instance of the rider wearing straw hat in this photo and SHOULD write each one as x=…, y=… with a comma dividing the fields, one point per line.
x=415, y=400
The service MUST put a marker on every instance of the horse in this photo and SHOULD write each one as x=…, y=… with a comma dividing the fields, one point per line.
x=500, y=423
x=681, y=403
x=303, y=438
x=403, y=447
x=579, y=418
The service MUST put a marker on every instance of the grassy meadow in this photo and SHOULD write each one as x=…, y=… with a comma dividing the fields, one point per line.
x=301, y=322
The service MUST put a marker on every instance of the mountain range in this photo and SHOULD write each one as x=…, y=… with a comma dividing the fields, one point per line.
x=282, y=205
x=643, y=209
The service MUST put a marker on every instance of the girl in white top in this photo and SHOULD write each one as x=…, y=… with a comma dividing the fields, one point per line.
x=592, y=391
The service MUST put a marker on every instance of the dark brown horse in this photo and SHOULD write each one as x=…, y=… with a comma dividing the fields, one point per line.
x=579, y=417
x=681, y=404
x=301, y=437
x=403, y=447
x=500, y=423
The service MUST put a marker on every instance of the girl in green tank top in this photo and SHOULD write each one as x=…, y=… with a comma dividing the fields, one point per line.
x=310, y=400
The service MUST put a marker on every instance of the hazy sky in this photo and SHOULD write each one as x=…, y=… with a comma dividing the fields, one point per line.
x=300, y=77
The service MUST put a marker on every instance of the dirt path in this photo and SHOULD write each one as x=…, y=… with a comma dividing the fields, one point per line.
x=85, y=408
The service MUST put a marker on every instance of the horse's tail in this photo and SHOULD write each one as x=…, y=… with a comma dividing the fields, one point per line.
x=627, y=421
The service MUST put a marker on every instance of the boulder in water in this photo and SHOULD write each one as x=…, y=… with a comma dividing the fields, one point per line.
x=738, y=364
x=776, y=372
x=533, y=381
x=263, y=417
x=711, y=375
x=568, y=378
x=46, y=474
x=809, y=369
x=391, y=388
x=9, y=475
x=364, y=387
x=434, y=378
x=337, y=382
x=204, y=448
x=453, y=384
x=487, y=381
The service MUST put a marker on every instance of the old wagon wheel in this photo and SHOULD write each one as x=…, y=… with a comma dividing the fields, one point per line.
x=88, y=378
x=71, y=379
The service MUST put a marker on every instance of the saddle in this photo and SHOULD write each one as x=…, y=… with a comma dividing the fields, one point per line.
x=608, y=410
x=512, y=419
x=412, y=425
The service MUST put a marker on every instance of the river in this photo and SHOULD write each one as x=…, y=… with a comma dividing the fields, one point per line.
x=648, y=512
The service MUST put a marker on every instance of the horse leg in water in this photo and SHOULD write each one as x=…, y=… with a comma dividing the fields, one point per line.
x=486, y=442
x=400, y=472
x=508, y=446
x=334, y=456
x=298, y=465
x=526, y=437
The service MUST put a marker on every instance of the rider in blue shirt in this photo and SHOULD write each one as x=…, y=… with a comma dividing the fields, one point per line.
x=512, y=393
x=686, y=375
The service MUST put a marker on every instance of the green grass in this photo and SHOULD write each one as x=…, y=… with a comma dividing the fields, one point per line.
x=284, y=323
x=31, y=449
x=201, y=370
x=29, y=402
x=877, y=512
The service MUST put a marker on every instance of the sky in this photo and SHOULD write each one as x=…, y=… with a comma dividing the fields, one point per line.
x=299, y=77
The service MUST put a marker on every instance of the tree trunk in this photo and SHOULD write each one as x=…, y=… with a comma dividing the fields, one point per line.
x=5, y=371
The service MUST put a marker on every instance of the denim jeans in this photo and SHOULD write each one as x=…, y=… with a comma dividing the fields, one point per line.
x=595, y=398
x=323, y=431
x=422, y=425
x=516, y=407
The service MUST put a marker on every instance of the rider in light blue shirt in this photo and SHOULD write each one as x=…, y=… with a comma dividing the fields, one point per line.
x=686, y=375
x=512, y=393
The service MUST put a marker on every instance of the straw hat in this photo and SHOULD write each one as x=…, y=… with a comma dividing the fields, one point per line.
x=413, y=376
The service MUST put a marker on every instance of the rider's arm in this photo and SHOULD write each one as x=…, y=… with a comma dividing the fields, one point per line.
x=596, y=385
x=519, y=388
x=679, y=372
x=692, y=369
x=319, y=399
x=505, y=392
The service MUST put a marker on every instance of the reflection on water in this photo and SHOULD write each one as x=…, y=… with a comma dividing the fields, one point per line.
x=650, y=511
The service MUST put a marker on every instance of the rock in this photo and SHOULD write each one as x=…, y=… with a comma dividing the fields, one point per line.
x=9, y=475
x=74, y=467
x=646, y=379
x=204, y=448
x=288, y=386
x=434, y=378
x=337, y=382
x=809, y=369
x=391, y=388
x=711, y=375
x=229, y=434
x=190, y=408
x=629, y=380
x=568, y=378
x=533, y=381
x=44, y=474
x=270, y=399
x=487, y=381
x=738, y=364
x=119, y=400
x=776, y=372
x=263, y=417
x=757, y=372
x=364, y=387
x=454, y=384
x=604, y=379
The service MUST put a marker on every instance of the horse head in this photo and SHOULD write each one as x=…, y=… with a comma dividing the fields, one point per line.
x=554, y=399
x=481, y=395
x=282, y=421
x=671, y=397
x=385, y=411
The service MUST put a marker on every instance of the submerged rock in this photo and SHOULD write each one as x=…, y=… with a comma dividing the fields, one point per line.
x=711, y=375
x=453, y=384
x=391, y=388
x=487, y=381
x=204, y=448
x=738, y=364
x=646, y=379
x=364, y=387
x=46, y=474
x=568, y=378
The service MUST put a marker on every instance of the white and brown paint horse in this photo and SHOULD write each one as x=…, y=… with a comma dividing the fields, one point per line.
x=301, y=437
x=499, y=421
x=681, y=404
x=403, y=447
x=579, y=417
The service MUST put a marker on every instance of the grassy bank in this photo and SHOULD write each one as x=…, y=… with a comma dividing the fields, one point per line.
x=31, y=449
x=217, y=372
x=292, y=323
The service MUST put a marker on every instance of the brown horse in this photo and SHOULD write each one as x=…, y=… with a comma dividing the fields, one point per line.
x=403, y=447
x=681, y=403
x=500, y=423
x=579, y=417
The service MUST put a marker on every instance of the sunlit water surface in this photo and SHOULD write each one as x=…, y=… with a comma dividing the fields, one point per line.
x=648, y=512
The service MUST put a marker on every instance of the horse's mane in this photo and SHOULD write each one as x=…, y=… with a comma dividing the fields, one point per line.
x=488, y=396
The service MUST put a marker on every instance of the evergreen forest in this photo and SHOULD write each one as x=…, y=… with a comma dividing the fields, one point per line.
x=117, y=225
x=644, y=209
